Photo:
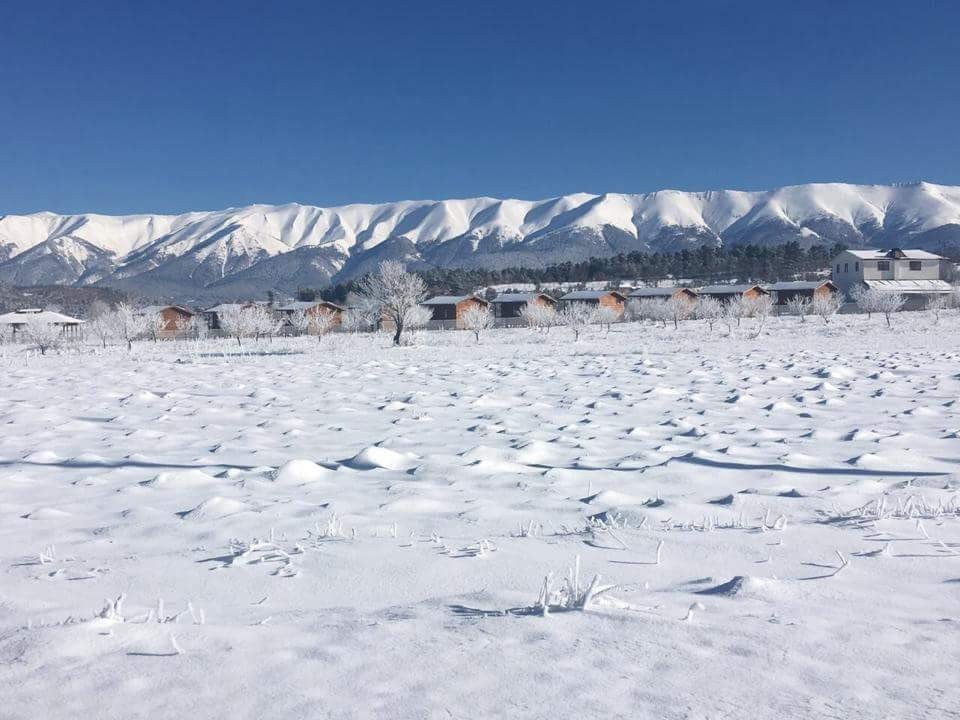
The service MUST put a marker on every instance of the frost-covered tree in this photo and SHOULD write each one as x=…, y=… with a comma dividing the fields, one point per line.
x=45, y=335
x=735, y=309
x=156, y=326
x=759, y=307
x=889, y=303
x=128, y=324
x=477, y=318
x=936, y=304
x=360, y=317
x=396, y=294
x=606, y=315
x=539, y=315
x=238, y=322
x=826, y=305
x=709, y=309
x=99, y=325
x=319, y=322
x=677, y=308
x=653, y=309
x=263, y=322
x=577, y=316
x=800, y=306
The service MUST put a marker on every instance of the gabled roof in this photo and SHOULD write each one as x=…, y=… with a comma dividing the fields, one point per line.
x=894, y=254
x=33, y=315
x=307, y=304
x=223, y=307
x=728, y=289
x=798, y=285
x=660, y=291
x=910, y=287
x=157, y=309
x=520, y=297
x=452, y=299
x=591, y=294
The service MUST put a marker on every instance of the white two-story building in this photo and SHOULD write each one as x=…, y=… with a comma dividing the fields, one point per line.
x=912, y=273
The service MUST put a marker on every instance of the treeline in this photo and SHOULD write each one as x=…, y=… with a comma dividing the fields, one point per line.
x=703, y=265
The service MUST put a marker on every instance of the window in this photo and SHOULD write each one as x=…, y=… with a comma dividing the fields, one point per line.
x=916, y=265
x=883, y=264
x=846, y=267
x=856, y=267
x=838, y=268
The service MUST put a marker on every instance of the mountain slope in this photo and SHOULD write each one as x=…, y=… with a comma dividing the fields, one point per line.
x=242, y=251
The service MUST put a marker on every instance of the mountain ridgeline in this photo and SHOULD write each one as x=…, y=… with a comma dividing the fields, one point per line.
x=247, y=251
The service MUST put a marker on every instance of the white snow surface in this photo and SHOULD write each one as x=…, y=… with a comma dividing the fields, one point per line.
x=348, y=530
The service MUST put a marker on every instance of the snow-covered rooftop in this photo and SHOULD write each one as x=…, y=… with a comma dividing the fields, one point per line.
x=890, y=254
x=911, y=287
x=21, y=317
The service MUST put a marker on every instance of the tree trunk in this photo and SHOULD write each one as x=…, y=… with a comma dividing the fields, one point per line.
x=397, y=333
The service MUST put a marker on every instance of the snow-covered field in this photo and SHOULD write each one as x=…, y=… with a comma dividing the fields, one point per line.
x=347, y=530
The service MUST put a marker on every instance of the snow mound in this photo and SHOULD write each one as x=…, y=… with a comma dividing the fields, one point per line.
x=46, y=513
x=299, y=472
x=214, y=508
x=741, y=586
x=376, y=457
x=179, y=479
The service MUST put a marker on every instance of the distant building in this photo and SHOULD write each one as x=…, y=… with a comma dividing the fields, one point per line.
x=786, y=291
x=16, y=322
x=664, y=293
x=312, y=308
x=723, y=293
x=447, y=311
x=602, y=298
x=509, y=306
x=175, y=318
x=912, y=273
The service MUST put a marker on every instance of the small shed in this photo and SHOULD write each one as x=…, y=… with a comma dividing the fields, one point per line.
x=723, y=293
x=312, y=308
x=175, y=318
x=511, y=305
x=16, y=322
x=786, y=291
x=604, y=298
x=447, y=310
x=664, y=293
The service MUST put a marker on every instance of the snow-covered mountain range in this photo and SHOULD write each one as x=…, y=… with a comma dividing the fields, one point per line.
x=245, y=251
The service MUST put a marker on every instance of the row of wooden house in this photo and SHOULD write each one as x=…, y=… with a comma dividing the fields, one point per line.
x=448, y=311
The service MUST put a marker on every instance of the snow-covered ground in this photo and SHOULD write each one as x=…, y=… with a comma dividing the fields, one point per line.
x=347, y=530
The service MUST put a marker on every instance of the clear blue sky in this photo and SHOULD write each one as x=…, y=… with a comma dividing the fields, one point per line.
x=136, y=107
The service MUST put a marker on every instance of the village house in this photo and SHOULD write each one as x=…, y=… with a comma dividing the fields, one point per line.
x=509, y=306
x=664, y=293
x=311, y=308
x=14, y=324
x=447, y=311
x=915, y=274
x=784, y=292
x=612, y=299
x=174, y=318
x=725, y=293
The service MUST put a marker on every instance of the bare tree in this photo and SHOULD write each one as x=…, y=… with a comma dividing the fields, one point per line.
x=606, y=315
x=800, y=306
x=237, y=322
x=576, y=316
x=396, y=294
x=128, y=324
x=826, y=305
x=678, y=308
x=539, y=315
x=477, y=318
x=709, y=309
x=889, y=303
x=46, y=336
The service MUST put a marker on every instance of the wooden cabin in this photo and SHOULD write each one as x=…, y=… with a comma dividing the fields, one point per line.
x=447, y=311
x=312, y=309
x=603, y=298
x=510, y=305
x=664, y=293
x=723, y=293
x=174, y=318
x=786, y=291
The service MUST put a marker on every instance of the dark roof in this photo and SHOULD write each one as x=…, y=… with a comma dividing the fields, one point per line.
x=798, y=285
x=660, y=291
x=589, y=294
x=452, y=299
x=520, y=297
x=727, y=289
